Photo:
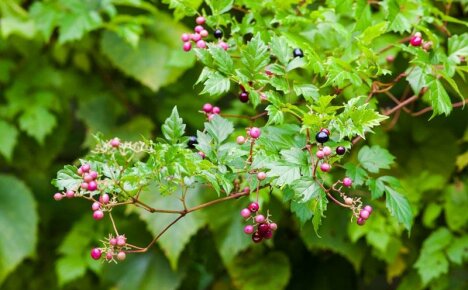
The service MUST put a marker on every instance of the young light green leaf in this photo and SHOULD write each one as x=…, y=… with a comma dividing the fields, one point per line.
x=307, y=188
x=216, y=84
x=219, y=128
x=8, y=141
x=458, y=47
x=67, y=179
x=399, y=206
x=280, y=49
x=375, y=158
x=254, y=56
x=439, y=98
x=373, y=32
x=174, y=127
x=308, y=91
x=222, y=59
x=220, y=6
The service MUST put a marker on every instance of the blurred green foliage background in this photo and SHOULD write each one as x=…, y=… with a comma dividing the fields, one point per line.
x=72, y=68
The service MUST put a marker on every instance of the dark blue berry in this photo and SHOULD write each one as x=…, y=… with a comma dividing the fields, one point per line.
x=192, y=141
x=321, y=137
x=297, y=52
x=218, y=33
x=340, y=150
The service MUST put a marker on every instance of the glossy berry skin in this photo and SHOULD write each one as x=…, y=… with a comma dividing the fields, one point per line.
x=297, y=52
x=320, y=154
x=244, y=97
x=218, y=33
x=198, y=28
x=70, y=194
x=273, y=226
x=204, y=33
x=325, y=167
x=263, y=228
x=249, y=229
x=201, y=44
x=361, y=221
x=121, y=241
x=98, y=215
x=416, y=41
x=121, y=256
x=115, y=142
x=255, y=132
x=113, y=241
x=200, y=20
x=245, y=213
x=195, y=37
x=364, y=214
x=104, y=198
x=58, y=196
x=192, y=141
x=322, y=137
x=185, y=37
x=96, y=253
x=216, y=110
x=93, y=174
x=84, y=185
x=253, y=207
x=240, y=140
x=368, y=208
x=223, y=45
x=256, y=237
x=260, y=219
x=325, y=130
x=95, y=206
x=326, y=151
x=207, y=108
x=92, y=185
x=347, y=182
x=85, y=168
x=261, y=175
x=187, y=46
x=268, y=234
x=87, y=177
x=340, y=150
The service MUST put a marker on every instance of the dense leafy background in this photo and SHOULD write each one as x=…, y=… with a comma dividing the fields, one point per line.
x=72, y=68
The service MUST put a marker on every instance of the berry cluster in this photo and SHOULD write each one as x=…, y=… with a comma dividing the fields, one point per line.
x=89, y=177
x=262, y=227
x=98, y=207
x=253, y=133
x=210, y=111
x=200, y=33
x=114, y=248
x=417, y=40
x=323, y=153
x=364, y=215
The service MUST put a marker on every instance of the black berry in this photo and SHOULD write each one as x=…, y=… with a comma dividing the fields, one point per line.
x=192, y=141
x=256, y=237
x=340, y=150
x=244, y=97
x=297, y=52
x=321, y=137
x=218, y=33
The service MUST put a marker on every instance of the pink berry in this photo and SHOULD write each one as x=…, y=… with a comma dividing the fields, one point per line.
x=207, y=108
x=325, y=130
x=84, y=185
x=255, y=132
x=70, y=194
x=326, y=150
x=246, y=190
x=80, y=171
x=121, y=256
x=248, y=229
x=204, y=33
x=390, y=58
x=109, y=256
x=87, y=177
x=240, y=140
x=364, y=214
x=95, y=206
x=201, y=44
x=263, y=97
x=93, y=174
x=96, y=253
x=98, y=215
x=202, y=155
x=200, y=20
x=115, y=142
x=216, y=110
x=368, y=208
x=361, y=221
x=113, y=241
x=92, y=186
x=58, y=196
x=416, y=41
x=347, y=182
x=223, y=45
x=187, y=46
x=320, y=154
x=273, y=226
x=121, y=241
x=253, y=207
x=85, y=168
x=198, y=28
x=245, y=213
x=260, y=218
x=427, y=45
x=261, y=175
x=195, y=37
x=185, y=37
x=325, y=167
x=104, y=198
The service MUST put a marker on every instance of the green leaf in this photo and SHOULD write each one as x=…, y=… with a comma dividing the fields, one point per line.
x=174, y=127
x=8, y=141
x=375, y=158
x=254, y=56
x=356, y=173
x=457, y=251
x=183, y=7
x=308, y=91
x=307, y=189
x=247, y=271
x=280, y=49
x=439, y=98
x=402, y=14
x=302, y=210
x=216, y=84
x=37, y=122
x=219, y=128
x=399, y=206
x=222, y=59
x=68, y=179
x=319, y=207
x=18, y=224
x=287, y=173
x=78, y=19
x=220, y=6
x=275, y=115
x=373, y=32
x=418, y=78
x=456, y=206
x=457, y=47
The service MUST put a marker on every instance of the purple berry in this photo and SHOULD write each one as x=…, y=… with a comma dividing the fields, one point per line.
x=261, y=175
x=248, y=229
x=207, y=108
x=256, y=237
x=254, y=132
x=347, y=182
x=364, y=214
x=253, y=207
x=58, y=196
x=96, y=253
x=200, y=20
x=273, y=226
x=216, y=110
x=326, y=150
x=368, y=208
x=185, y=37
x=104, y=198
x=263, y=228
x=245, y=213
x=121, y=256
x=325, y=130
x=244, y=97
x=325, y=167
x=187, y=46
x=98, y=215
x=340, y=150
x=92, y=186
x=268, y=234
x=259, y=218
x=361, y=221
